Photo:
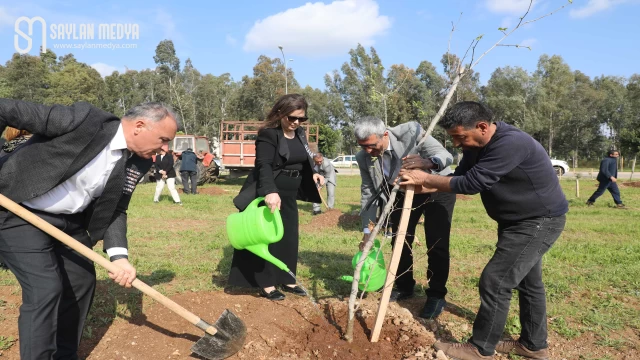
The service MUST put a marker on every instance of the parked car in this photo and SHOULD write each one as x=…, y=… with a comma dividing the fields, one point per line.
x=345, y=161
x=560, y=166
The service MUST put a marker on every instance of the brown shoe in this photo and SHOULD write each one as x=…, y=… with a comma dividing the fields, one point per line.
x=514, y=347
x=620, y=206
x=463, y=351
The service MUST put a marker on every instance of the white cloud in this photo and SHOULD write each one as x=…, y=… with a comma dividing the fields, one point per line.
x=593, y=7
x=319, y=29
x=104, y=69
x=516, y=7
x=528, y=42
x=165, y=20
x=231, y=40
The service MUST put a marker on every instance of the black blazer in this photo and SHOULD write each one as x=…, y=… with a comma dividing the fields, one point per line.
x=272, y=152
x=65, y=139
x=166, y=164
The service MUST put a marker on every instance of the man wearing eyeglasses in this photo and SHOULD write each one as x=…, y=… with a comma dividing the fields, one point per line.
x=384, y=152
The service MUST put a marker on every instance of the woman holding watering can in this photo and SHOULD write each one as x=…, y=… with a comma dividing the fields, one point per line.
x=283, y=173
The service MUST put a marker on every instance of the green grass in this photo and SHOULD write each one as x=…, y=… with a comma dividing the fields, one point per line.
x=591, y=273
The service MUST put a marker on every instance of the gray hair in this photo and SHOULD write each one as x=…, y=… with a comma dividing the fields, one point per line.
x=152, y=111
x=368, y=126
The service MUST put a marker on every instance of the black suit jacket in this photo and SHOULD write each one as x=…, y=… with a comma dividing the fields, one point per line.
x=272, y=152
x=65, y=139
x=165, y=164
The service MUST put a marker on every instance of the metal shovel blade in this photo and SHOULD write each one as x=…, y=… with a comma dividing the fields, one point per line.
x=227, y=341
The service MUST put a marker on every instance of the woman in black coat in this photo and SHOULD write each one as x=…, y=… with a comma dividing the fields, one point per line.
x=283, y=172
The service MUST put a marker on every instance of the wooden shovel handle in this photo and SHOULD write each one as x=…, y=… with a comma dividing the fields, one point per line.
x=93, y=256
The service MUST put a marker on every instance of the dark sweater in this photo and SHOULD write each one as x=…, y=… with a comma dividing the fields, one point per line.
x=513, y=175
x=608, y=168
x=189, y=161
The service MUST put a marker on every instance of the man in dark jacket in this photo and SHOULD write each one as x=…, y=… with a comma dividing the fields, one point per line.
x=77, y=172
x=189, y=170
x=608, y=178
x=520, y=191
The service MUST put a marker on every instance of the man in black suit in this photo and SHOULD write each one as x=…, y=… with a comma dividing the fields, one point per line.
x=77, y=172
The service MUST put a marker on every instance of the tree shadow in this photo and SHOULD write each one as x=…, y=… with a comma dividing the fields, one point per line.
x=112, y=301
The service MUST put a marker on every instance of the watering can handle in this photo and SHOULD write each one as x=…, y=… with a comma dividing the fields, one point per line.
x=255, y=202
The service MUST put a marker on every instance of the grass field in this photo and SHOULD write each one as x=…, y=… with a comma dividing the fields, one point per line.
x=592, y=274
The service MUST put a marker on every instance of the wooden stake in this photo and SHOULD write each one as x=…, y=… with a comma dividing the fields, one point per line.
x=577, y=187
x=393, y=265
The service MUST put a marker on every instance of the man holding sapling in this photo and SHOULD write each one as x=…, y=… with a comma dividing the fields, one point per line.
x=521, y=192
x=384, y=152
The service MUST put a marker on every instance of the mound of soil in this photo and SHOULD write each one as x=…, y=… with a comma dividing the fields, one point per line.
x=632, y=184
x=331, y=218
x=463, y=197
x=213, y=190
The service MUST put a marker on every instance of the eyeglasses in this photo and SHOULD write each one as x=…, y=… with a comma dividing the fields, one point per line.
x=299, y=118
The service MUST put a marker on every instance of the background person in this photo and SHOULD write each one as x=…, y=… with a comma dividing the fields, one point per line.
x=324, y=167
x=608, y=179
x=165, y=173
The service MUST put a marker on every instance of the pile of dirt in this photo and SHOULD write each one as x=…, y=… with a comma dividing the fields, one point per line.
x=213, y=191
x=632, y=184
x=331, y=218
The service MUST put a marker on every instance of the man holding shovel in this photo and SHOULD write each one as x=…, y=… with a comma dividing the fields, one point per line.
x=521, y=192
x=384, y=152
x=78, y=173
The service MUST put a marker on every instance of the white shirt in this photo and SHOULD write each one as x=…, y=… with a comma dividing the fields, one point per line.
x=75, y=194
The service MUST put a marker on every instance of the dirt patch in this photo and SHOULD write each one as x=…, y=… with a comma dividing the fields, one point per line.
x=331, y=218
x=292, y=329
x=211, y=191
x=632, y=184
x=463, y=197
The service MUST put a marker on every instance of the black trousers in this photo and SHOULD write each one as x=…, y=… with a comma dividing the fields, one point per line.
x=57, y=284
x=438, y=211
x=186, y=175
x=516, y=264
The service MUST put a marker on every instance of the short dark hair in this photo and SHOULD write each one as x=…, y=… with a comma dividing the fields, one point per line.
x=612, y=151
x=466, y=114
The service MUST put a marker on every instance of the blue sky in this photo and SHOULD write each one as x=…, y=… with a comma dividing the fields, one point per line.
x=594, y=36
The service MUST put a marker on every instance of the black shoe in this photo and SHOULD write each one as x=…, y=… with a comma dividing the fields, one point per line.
x=3, y=266
x=432, y=308
x=274, y=295
x=294, y=290
x=317, y=212
x=398, y=295
x=590, y=203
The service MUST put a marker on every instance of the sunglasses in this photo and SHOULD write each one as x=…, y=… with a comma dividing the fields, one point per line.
x=299, y=118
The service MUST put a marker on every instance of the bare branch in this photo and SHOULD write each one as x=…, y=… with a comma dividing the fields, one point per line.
x=520, y=23
x=453, y=28
x=516, y=46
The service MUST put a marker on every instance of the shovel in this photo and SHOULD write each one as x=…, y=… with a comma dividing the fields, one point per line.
x=221, y=340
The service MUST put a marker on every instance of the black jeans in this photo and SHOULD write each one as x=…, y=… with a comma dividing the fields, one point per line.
x=438, y=211
x=186, y=175
x=607, y=185
x=516, y=264
x=57, y=284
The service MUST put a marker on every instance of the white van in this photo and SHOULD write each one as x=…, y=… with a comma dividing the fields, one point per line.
x=345, y=161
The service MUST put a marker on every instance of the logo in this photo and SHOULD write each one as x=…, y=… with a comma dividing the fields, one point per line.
x=80, y=36
x=30, y=22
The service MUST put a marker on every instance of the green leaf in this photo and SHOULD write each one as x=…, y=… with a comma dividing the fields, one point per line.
x=502, y=29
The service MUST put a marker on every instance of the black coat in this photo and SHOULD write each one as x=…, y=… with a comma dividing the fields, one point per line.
x=272, y=152
x=165, y=164
x=65, y=139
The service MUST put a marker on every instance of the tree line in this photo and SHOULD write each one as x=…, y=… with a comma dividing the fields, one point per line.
x=573, y=116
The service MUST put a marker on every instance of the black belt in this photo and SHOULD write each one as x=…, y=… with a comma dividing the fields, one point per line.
x=292, y=173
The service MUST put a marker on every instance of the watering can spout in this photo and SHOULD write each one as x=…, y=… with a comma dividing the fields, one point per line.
x=262, y=251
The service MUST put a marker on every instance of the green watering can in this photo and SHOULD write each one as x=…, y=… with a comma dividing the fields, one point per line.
x=254, y=229
x=373, y=270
